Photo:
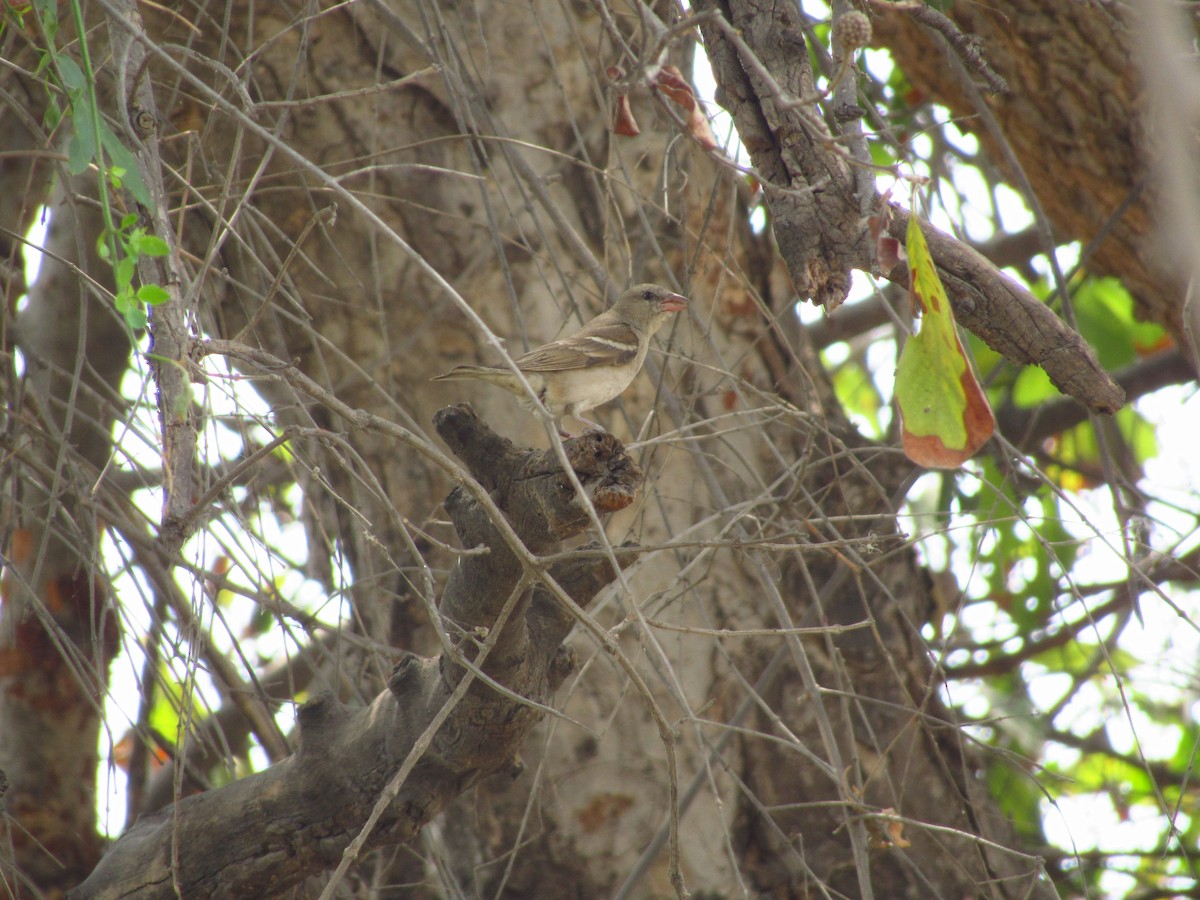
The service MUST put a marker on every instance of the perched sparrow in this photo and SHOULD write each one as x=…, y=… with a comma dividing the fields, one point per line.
x=592, y=366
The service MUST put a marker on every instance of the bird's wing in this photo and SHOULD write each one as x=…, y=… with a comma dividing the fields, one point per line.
x=598, y=344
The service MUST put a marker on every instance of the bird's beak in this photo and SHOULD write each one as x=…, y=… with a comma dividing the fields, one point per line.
x=673, y=303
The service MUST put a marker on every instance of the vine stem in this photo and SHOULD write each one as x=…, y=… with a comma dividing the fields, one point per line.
x=89, y=80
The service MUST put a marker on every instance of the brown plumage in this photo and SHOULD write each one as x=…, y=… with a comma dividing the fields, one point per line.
x=592, y=366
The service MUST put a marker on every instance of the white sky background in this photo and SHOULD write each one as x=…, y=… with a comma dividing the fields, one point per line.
x=1170, y=647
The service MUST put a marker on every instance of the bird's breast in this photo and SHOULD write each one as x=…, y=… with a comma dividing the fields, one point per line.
x=579, y=390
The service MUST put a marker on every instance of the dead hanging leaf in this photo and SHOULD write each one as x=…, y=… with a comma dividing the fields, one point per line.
x=884, y=834
x=625, y=125
x=895, y=830
x=670, y=81
x=888, y=252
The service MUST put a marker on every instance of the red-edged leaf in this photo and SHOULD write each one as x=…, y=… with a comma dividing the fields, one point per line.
x=944, y=414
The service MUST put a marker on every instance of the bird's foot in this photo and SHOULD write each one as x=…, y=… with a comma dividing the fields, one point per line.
x=590, y=427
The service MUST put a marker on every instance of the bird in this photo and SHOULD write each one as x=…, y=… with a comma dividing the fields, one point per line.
x=573, y=374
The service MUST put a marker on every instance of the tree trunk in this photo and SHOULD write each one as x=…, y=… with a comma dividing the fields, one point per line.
x=58, y=627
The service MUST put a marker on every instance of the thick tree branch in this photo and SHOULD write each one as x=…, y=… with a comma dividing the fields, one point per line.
x=1082, y=141
x=761, y=66
x=817, y=223
x=1011, y=320
x=269, y=831
x=225, y=735
x=1165, y=44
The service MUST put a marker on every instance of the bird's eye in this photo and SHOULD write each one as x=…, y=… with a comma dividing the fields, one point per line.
x=647, y=295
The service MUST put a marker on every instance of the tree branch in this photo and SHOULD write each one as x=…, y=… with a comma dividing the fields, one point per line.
x=1011, y=320
x=967, y=46
x=273, y=829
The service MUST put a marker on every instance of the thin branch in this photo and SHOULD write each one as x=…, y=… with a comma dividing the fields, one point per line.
x=967, y=46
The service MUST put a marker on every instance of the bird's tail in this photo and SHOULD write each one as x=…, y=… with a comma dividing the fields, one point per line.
x=463, y=373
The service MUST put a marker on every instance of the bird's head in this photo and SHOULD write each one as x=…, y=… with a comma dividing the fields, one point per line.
x=649, y=304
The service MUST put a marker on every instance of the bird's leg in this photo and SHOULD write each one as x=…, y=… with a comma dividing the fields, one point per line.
x=591, y=426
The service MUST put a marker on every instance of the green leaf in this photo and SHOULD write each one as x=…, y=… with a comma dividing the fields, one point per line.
x=43, y=63
x=53, y=115
x=1104, y=312
x=1099, y=771
x=81, y=150
x=164, y=714
x=47, y=11
x=124, y=300
x=859, y=394
x=103, y=247
x=170, y=700
x=1019, y=797
x=153, y=294
x=1079, y=452
x=881, y=154
x=124, y=160
x=123, y=272
x=71, y=75
x=986, y=359
x=128, y=221
x=1033, y=387
x=136, y=318
x=944, y=413
x=1185, y=750
x=150, y=245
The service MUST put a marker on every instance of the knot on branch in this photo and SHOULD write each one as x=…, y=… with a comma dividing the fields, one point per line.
x=530, y=486
x=605, y=470
x=403, y=672
x=319, y=719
